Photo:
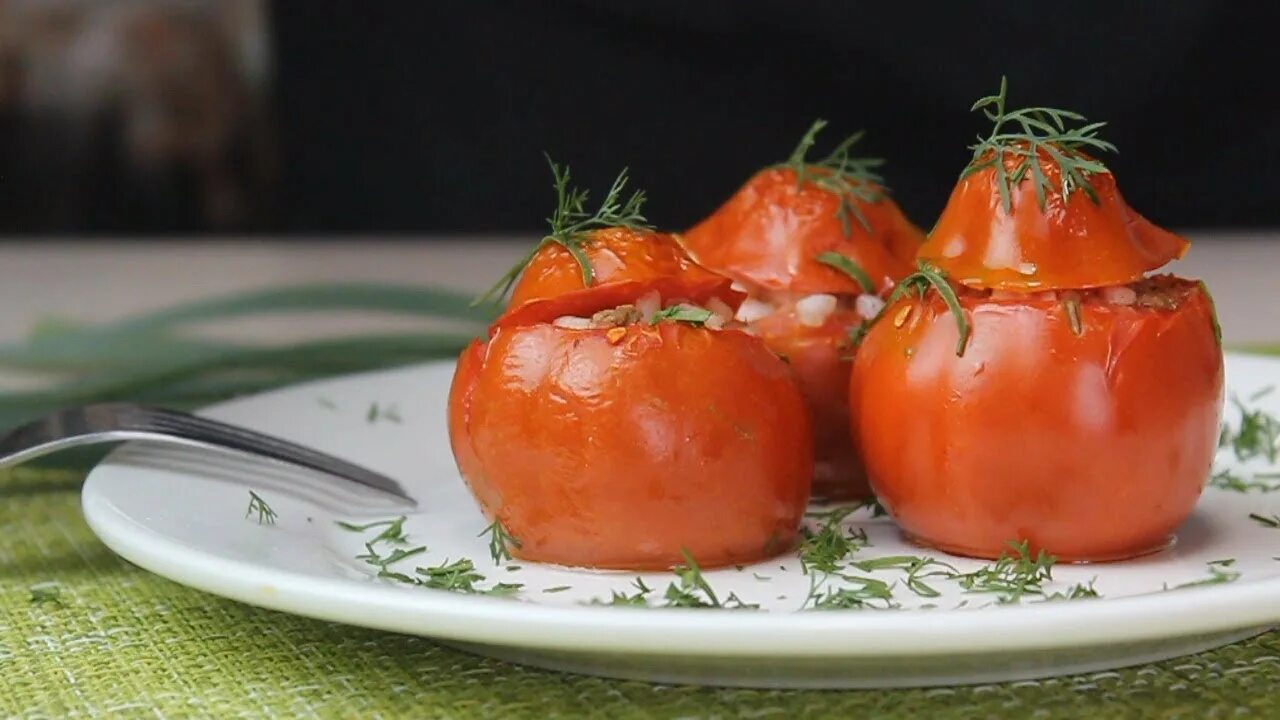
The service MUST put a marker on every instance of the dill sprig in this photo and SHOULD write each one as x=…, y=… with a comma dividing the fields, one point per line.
x=1271, y=522
x=1218, y=575
x=826, y=548
x=1026, y=134
x=916, y=568
x=639, y=598
x=266, y=516
x=863, y=593
x=571, y=224
x=851, y=178
x=682, y=313
x=1079, y=591
x=1012, y=575
x=1257, y=436
x=499, y=541
x=1226, y=480
x=847, y=266
x=693, y=590
x=927, y=276
x=393, y=530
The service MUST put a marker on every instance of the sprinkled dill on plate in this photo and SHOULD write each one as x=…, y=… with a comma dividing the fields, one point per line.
x=1012, y=575
x=266, y=516
x=500, y=541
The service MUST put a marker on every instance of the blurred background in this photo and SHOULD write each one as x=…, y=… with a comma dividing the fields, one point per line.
x=125, y=117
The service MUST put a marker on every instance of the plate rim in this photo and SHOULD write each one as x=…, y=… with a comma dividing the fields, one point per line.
x=652, y=631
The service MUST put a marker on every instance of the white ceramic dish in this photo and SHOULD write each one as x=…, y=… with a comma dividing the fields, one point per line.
x=181, y=514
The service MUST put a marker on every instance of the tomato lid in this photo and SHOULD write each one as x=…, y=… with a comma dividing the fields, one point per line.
x=771, y=232
x=625, y=264
x=1034, y=210
x=595, y=261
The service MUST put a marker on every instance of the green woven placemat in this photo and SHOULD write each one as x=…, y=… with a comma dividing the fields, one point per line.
x=119, y=641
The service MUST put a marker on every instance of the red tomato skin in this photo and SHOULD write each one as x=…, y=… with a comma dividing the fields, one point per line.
x=1091, y=448
x=620, y=454
x=821, y=361
x=625, y=263
x=1070, y=244
x=768, y=234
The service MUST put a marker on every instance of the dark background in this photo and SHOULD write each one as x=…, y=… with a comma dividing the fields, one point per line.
x=422, y=117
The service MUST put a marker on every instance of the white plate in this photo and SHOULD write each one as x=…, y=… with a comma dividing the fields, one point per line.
x=182, y=515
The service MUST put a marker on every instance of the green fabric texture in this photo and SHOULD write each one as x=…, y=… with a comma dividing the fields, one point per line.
x=121, y=642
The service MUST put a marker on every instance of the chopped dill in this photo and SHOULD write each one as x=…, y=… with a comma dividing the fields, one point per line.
x=499, y=541
x=266, y=516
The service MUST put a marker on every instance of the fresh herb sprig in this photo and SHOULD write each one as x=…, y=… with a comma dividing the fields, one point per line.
x=1013, y=575
x=500, y=541
x=916, y=568
x=860, y=593
x=393, y=530
x=925, y=277
x=1079, y=591
x=571, y=224
x=1218, y=575
x=639, y=598
x=827, y=548
x=1028, y=135
x=851, y=178
x=682, y=313
x=693, y=591
x=266, y=516
x=1272, y=522
x=1257, y=436
x=846, y=265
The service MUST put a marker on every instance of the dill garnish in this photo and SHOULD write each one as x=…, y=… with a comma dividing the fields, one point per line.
x=864, y=593
x=1217, y=575
x=1079, y=591
x=916, y=568
x=266, y=516
x=571, y=225
x=393, y=532
x=927, y=276
x=1271, y=522
x=847, y=266
x=1226, y=480
x=1039, y=131
x=1012, y=575
x=693, y=590
x=557, y=589
x=827, y=547
x=377, y=412
x=1257, y=436
x=682, y=313
x=852, y=179
x=636, y=599
x=499, y=539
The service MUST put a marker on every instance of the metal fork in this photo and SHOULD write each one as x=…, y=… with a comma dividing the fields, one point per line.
x=114, y=422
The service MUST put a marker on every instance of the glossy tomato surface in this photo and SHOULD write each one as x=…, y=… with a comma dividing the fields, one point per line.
x=767, y=237
x=1092, y=446
x=1071, y=243
x=768, y=234
x=625, y=264
x=819, y=358
x=618, y=448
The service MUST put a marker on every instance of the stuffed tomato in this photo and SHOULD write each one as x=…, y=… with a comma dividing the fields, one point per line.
x=1030, y=382
x=618, y=417
x=815, y=245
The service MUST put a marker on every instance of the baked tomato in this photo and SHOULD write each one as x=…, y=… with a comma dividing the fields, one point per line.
x=1083, y=418
x=1084, y=422
x=618, y=417
x=815, y=245
x=622, y=447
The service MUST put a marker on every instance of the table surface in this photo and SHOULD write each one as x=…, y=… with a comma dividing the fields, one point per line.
x=119, y=641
